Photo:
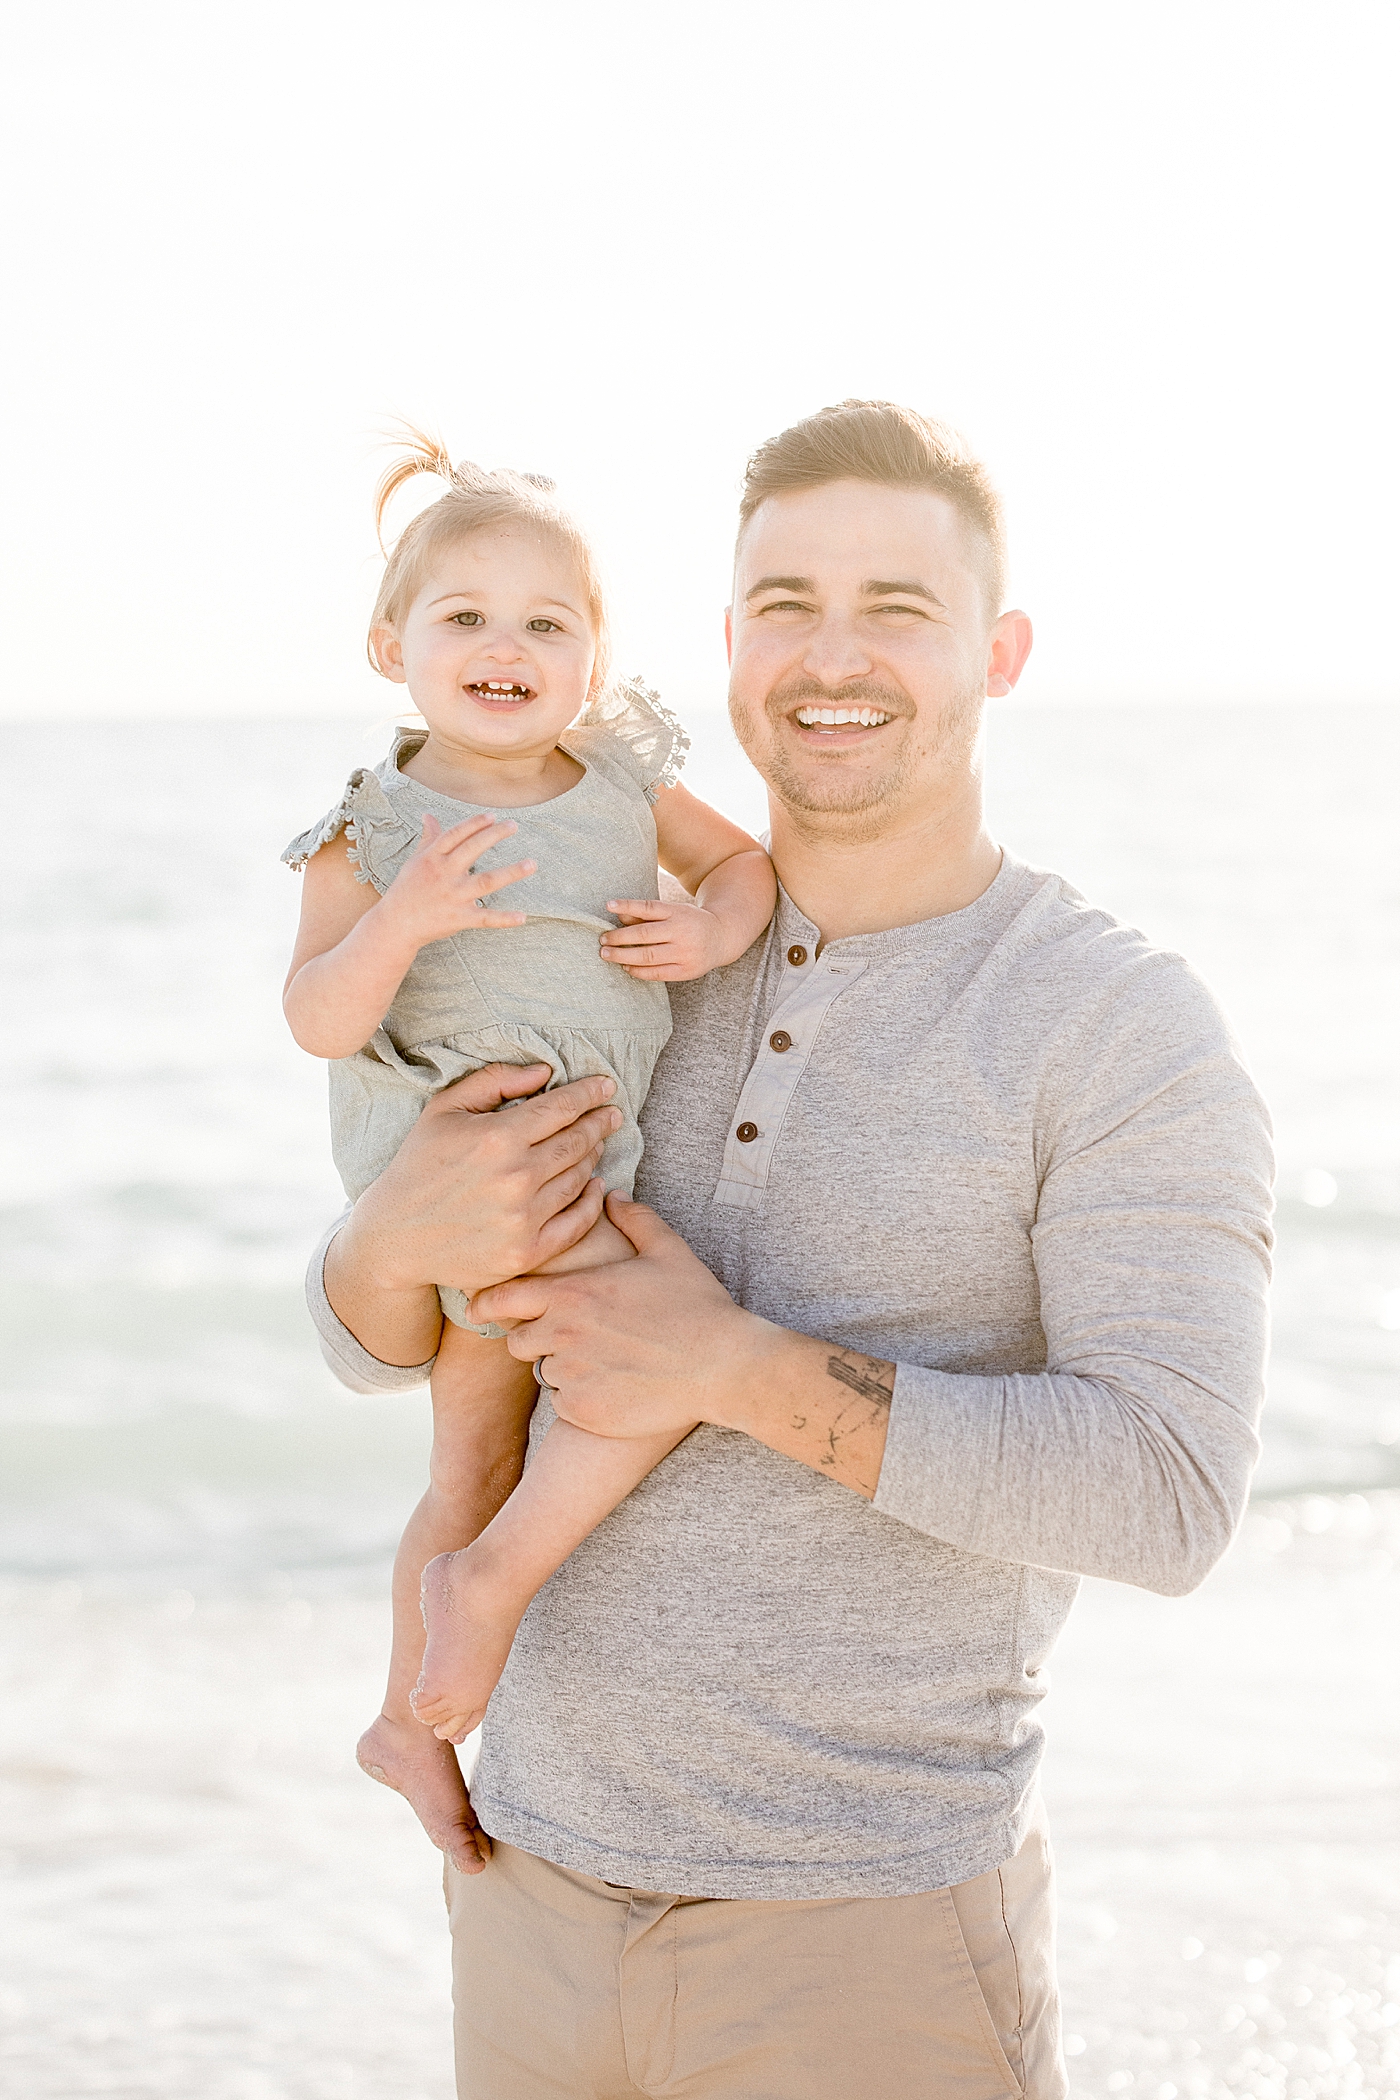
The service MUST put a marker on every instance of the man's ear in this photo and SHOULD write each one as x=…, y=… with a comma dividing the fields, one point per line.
x=1006, y=657
x=729, y=633
x=388, y=654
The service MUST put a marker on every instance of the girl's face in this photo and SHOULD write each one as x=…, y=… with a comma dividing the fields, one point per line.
x=497, y=648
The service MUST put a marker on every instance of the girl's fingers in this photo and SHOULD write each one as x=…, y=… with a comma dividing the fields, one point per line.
x=628, y=908
x=654, y=952
x=633, y=936
x=478, y=838
x=472, y=827
x=490, y=879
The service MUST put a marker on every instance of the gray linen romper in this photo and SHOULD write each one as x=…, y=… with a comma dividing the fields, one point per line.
x=537, y=993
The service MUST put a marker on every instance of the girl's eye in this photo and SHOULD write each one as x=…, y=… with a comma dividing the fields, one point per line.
x=543, y=626
x=467, y=619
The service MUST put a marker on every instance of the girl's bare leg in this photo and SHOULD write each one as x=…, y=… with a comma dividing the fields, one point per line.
x=482, y=1402
x=475, y=1598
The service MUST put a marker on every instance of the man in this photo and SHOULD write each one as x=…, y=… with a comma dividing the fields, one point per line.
x=962, y=1272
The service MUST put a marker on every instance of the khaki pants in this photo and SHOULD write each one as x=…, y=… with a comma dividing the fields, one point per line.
x=571, y=1988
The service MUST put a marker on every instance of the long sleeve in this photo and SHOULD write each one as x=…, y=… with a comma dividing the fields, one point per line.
x=1129, y=1455
x=348, y=1359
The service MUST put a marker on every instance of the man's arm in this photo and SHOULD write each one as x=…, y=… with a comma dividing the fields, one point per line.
x=668, y=1346
x=1128, y=1456
x=470, y=1196
x=356, y=1367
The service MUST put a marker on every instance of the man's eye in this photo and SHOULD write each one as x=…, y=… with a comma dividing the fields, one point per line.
x=785, y=605
x=467, y=619
x=543, y=626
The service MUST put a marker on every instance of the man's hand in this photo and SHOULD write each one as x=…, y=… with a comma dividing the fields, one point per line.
x=639, y=1348
x=671, y=941
x=653, y=1346
x=469, y=1198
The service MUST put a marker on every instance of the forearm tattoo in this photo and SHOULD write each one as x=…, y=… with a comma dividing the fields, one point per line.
x=865, y=1375
x=872, y=1381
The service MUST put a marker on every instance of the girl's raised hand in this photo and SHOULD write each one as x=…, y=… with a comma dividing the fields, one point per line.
x=439, y=891
x=671, y=942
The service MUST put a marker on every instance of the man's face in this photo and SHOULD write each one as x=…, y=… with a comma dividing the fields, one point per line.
x=861, y=650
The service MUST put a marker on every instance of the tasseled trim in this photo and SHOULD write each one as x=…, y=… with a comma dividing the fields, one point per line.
x=339, y=819
x=640, y=719
x=670, y=774
x=352, y=854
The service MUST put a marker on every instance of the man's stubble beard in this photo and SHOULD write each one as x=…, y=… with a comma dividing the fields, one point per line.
x=864, y=801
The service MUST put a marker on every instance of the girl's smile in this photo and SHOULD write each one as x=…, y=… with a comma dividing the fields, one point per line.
x=491, y=693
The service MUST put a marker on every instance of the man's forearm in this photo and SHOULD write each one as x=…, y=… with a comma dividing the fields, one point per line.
x=641, y=1348
x=398, y=1324
x=825, y=1406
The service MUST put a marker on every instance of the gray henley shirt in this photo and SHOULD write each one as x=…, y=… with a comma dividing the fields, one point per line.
x=1014, y=1150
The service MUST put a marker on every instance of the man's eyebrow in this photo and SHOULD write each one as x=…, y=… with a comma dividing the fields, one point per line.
x=878, y=589
x=805, y=586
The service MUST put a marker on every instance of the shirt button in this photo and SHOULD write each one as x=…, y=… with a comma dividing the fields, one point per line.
x=746, y=1133
x=780, y=1040
x=797, y=956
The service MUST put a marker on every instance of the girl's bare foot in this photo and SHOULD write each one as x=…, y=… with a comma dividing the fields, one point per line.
x=470, y=1627
x=425, y=1771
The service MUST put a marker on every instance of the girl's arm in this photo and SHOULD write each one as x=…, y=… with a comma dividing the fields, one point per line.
x=354, y=948
x=730, y=878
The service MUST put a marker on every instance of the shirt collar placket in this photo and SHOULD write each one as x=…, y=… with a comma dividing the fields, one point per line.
x=791, y=1031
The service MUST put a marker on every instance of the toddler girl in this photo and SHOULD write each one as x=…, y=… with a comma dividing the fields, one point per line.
x=407, y=977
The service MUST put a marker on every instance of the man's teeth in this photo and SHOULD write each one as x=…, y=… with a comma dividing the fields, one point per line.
x=831, y=717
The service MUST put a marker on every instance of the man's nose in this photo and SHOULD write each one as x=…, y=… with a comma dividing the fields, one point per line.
x=836, y=651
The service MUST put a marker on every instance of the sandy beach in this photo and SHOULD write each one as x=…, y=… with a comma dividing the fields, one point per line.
x=206, y=1895
x=1223, y=1775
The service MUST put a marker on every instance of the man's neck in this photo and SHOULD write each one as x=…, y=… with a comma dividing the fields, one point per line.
x=920, y=864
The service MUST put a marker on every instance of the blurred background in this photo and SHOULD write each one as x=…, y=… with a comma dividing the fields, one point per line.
x=1145, y=260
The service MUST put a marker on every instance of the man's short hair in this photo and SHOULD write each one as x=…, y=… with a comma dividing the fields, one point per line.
x=895, y=447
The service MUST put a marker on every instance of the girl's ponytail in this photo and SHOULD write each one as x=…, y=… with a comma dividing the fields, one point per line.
x=429, y=455
x=425, y=455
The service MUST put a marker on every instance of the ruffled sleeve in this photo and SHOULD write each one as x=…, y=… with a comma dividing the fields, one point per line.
x=631, y=724
x=377, y=832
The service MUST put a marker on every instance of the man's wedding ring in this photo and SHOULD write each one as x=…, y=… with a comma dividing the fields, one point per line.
x=540, y=1380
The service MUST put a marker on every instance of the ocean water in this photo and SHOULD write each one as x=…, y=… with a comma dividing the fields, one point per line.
x=166, y=1164
x=195, y=1523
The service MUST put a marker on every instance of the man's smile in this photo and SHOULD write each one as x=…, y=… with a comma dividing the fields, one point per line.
x=825, y=719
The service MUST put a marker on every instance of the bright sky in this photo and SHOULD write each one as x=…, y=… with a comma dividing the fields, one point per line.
x=1143, y=256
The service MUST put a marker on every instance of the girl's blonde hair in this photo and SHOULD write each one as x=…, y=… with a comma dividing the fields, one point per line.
x=475, y=502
